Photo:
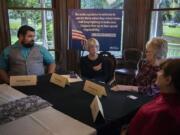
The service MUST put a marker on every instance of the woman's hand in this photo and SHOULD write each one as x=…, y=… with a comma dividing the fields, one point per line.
x=124, y=88
x=98, y=67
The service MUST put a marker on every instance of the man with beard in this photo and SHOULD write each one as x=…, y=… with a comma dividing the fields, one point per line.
x=25, y=57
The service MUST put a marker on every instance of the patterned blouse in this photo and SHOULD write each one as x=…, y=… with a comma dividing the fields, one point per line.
x=145, y=79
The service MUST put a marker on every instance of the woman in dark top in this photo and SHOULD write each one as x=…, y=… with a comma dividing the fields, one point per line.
x=93, y=66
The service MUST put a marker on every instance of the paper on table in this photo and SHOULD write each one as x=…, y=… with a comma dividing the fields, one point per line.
x=47, y=121
x=94, y=88
x=96, y=107
x=59, y=80
x=73, y=80
x=23, y=80
x=121, y=88
x=132, y=97
x=8, y=93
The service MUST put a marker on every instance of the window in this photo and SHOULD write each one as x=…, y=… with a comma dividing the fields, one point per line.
x=36, y=13
x=105, y=4
x=102, y=4
x=165, y=22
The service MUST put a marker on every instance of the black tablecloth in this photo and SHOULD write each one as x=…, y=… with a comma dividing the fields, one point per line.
x=73, y=101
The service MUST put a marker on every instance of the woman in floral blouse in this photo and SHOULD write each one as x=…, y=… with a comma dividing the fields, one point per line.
x=144, y=82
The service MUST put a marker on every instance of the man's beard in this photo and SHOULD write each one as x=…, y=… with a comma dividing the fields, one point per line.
x=28, y=45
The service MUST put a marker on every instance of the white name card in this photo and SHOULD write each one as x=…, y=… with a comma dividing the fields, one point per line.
x=27, y=80
x=94, y=89
x=96, y=108
x=59, y=80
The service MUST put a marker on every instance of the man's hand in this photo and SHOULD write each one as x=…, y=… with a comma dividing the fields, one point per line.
x=51, y=68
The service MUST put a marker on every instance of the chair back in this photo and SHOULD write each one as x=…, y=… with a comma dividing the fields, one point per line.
x=131, y=57
x=110, y=60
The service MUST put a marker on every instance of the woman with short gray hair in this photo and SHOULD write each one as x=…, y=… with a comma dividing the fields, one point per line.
x=144, y=82
x=158, y=48
x=93, y=66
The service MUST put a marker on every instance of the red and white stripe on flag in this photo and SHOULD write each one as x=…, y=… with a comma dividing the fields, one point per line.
x=78, y=35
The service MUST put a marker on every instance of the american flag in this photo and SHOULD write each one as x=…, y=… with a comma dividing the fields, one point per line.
x=78, y=35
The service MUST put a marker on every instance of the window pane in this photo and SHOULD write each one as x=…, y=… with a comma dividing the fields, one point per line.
x=167, y=25
x=99, y=4
x=40, y=20
x=105, y=4
x=30, y=3
x=166, y=4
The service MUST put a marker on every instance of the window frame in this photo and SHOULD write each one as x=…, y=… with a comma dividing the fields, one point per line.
x=160, y=10
x=55, y=50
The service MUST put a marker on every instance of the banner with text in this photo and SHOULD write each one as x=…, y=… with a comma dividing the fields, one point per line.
x=102, y=24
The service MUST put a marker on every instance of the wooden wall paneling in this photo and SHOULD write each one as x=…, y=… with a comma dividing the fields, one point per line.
x=73, y=4
x=60, y=27
x=4, y=26
x=73, y=60
x=144, y=16
x=130, y=24
x=66, y=59
x=73, y=56
x=136, y=23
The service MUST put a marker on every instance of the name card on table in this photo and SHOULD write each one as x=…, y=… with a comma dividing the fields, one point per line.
x=27, y=80
x=94, y=89
x=96, y=109
x=59, y=80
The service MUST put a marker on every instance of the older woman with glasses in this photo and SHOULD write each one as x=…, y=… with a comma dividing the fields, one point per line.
x=144, y=82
